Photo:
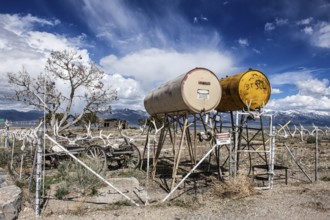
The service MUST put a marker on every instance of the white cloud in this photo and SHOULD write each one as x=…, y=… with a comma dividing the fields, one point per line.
x=136, y=74
x=290, y=77
x=318, y=33
x=308, y=30
x=153, y=51
x=152, y=67
x=20, y=24
x=314, y=87
x=300, y=102
x=306, y=21
x=321, y=36
x=243, y=42
x=312, y=93
x=9, y=104
x=262, y=64
x=276, y=91
x=269, y=26
x=22, y=45
x=256, y=51
x=130, y=92
x=281, y=21
x=128, y=29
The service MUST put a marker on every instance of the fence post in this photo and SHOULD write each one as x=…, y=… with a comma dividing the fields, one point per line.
x=6, y=134
x=316, y=154
x=38, y=173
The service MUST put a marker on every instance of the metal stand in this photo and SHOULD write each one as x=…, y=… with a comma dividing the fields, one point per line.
x=183, y=130
x=250, y=138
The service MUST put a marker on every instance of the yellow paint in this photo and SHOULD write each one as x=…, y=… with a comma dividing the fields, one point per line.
x=248, y=88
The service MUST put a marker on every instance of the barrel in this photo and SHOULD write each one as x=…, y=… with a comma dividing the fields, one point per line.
x=193, y=92
x=248, y=88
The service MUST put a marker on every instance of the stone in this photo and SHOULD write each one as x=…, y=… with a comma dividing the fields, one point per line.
x=3, y=181
x=10, y=202
x=128, y=186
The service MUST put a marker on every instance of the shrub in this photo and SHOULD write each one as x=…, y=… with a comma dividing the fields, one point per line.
x=311, y=140
x=78, y=178
x=238, y=187
x=61, y=192
x=4, y=157
x=326, y=178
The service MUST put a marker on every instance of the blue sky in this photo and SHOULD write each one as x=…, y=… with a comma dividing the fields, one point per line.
x=143, y=43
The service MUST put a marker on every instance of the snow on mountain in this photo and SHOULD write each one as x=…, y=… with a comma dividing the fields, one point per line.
x=306, y=118
x=303, y=117
x=132, y=116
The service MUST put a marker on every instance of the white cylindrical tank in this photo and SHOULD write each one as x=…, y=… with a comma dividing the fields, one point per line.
x=196, y=91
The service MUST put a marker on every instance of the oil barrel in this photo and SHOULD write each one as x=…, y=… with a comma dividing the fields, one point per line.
x=248, y=88
x=195, y=91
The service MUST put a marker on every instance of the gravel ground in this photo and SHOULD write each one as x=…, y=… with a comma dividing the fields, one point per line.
x=292, y=201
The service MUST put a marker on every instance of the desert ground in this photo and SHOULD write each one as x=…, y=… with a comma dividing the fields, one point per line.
x=204, y=196
x=201, y=196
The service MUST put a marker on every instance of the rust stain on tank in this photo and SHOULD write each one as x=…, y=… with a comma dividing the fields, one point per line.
x=250, y=87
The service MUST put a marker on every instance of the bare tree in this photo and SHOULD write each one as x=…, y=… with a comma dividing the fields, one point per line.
x=82, y=79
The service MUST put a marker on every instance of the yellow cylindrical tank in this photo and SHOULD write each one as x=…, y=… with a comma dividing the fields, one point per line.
x=195, y=91
x=248, y=88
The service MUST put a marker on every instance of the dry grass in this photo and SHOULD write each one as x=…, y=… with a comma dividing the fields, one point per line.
x=78, y=209
x=233, y=188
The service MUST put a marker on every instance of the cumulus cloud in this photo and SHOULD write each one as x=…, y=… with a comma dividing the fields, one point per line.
x=300, y=102
x=130, y=92
x=308, y=30
x=154, y=46
x=22, y=45
x=146, y=53
x=312, y=93
x=314, y=87
x=317, y=32
x=151, y=67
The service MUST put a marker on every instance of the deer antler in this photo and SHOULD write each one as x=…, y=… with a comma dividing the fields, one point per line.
x=282, y=129
x=156, y=129
x=125, y=136
x=253, y=114
x=316, y=129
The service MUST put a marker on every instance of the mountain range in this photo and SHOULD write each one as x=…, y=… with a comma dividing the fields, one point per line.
x=305, y=118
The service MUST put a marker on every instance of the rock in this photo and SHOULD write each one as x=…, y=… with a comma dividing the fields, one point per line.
x=2, y=171
x=128, y=186
x=3, y=181
x=10, y=202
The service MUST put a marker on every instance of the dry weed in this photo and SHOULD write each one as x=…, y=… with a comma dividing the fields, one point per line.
x=78, y=209
x=234, y=188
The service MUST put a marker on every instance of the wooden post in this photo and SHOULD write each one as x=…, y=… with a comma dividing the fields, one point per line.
x=178, y=155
